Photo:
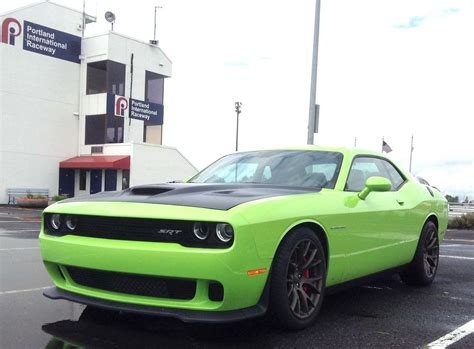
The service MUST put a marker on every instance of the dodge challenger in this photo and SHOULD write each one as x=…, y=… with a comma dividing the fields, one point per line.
x=259, y=232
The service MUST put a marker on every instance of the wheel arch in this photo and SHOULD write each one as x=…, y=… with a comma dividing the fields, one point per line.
x=431, y=217
x=317, y=229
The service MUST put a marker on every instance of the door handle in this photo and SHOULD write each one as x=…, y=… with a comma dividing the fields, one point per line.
x=401, y=202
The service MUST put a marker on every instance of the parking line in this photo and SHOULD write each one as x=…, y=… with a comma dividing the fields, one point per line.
x=453, y=337
x=16, y=231
x=19, y=248
x=456, y=257
x=460, y=240
x=20, y=221
x=26, y=290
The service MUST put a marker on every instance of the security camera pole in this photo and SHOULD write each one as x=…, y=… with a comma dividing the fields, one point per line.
x=238, y=111
x=314, y=77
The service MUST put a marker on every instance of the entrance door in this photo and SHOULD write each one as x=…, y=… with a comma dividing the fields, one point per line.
x=96, y=181
x=66, y=182
x=110, y=180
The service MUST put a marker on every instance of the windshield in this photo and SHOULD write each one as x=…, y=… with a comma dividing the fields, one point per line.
x=284, y=168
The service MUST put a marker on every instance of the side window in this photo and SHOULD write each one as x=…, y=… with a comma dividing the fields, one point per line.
x=365, y=167
x=395, y=176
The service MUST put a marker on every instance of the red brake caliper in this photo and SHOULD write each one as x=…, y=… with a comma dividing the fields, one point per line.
x=306, y=275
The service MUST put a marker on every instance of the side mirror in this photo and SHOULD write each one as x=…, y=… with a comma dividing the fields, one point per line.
x=376, y=184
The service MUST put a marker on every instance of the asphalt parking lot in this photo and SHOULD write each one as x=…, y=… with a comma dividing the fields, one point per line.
x=382, y=314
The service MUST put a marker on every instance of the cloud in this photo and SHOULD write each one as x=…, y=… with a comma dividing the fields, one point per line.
x=416, y=21
x=413, y=22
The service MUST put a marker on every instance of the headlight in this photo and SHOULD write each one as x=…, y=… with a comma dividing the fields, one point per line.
x=224, y=232
x=71, y=222
x=201, y=230
x=55, y=221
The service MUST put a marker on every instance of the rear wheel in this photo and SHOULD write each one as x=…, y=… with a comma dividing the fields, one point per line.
x=422, y=270
x=298, y=280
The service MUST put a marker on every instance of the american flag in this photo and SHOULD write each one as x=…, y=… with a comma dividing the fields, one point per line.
x=385, y=147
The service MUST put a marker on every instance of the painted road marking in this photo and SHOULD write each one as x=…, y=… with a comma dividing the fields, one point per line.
x=18, y=248
x=460, y=240
x=26, y=290
x=456, y=257
x=453, y=337
x=20, y=221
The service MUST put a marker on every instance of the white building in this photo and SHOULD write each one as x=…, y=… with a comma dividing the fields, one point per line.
x=80, y=115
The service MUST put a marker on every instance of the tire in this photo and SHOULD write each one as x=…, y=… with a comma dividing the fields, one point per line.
x=422, y=270
x=298, y=280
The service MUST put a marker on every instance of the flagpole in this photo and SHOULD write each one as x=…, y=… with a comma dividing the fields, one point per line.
x=411, y=152
x=355, y=141
x=383, y=140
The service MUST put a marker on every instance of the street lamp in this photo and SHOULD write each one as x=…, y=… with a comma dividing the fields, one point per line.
x=238, y=111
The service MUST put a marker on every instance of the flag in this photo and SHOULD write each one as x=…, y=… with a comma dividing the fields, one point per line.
x=385, y=147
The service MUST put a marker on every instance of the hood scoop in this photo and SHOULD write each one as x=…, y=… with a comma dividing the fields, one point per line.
x=149, y=191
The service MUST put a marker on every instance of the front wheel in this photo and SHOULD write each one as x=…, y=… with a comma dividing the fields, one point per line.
x=422, y=270
x=298, y=280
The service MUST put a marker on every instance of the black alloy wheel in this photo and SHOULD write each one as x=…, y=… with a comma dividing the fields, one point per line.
x=304, y=279
x=297, y=280
x=422, y=270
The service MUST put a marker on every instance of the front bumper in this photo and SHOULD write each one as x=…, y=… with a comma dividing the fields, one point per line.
x=228, y=266
x=190, y=316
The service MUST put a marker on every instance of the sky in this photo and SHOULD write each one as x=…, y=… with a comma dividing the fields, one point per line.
x=387, y=69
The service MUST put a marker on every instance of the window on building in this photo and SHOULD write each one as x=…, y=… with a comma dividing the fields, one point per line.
x=95, y=129
x=125, y=179
x=152, y=133
x=105, y=76
x=114, y=129
x=82, y=179
x=154, y=87
x=101, y=129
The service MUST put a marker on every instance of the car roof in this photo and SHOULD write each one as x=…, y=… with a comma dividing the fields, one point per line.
x=343, y=150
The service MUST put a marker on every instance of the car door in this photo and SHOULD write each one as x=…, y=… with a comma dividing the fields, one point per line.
x=372, y=225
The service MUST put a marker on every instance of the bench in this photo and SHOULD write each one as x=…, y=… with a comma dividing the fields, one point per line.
x=13, y=193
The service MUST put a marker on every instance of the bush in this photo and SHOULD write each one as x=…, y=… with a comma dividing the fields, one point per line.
x=59, y=197
x=465, y=221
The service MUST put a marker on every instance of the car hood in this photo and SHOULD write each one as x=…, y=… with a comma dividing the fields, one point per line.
x=212, y=196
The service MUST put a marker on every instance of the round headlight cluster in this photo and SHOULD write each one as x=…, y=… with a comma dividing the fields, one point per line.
x=56, y=221
x=223, y=231
x=201, y=230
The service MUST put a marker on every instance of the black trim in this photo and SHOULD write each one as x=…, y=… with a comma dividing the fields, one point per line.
x=364, y=279
x=375, y=157
x=212, y=196
x=185, y=315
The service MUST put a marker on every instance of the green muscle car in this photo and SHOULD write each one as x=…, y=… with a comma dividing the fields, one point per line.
x=255, y=232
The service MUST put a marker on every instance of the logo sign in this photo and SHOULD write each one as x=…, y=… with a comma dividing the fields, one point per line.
x=11, y=28
x=50, y=42
x=117, y=105
x=152, y=113
x=43, y=40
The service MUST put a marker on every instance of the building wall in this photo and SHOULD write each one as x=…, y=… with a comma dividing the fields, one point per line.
x=150, y=164
x=37, y=123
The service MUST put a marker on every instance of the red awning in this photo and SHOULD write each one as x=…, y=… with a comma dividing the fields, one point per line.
x=112, y=161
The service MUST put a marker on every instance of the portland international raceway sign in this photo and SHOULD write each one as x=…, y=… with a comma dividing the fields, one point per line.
x=40, y=39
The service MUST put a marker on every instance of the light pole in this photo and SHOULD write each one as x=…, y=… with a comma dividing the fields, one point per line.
x=154, y=28
x=238, y=111
x=314, y=76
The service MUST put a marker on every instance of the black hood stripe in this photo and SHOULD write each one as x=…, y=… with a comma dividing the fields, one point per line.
x=212, y=196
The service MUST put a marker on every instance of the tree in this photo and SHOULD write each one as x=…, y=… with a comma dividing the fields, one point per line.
x=452, y=198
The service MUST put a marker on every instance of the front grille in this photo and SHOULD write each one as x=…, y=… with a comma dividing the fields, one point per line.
x=137, y=229
x=134, y=284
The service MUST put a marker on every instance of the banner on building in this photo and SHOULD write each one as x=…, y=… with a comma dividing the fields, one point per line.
x=40, y=39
